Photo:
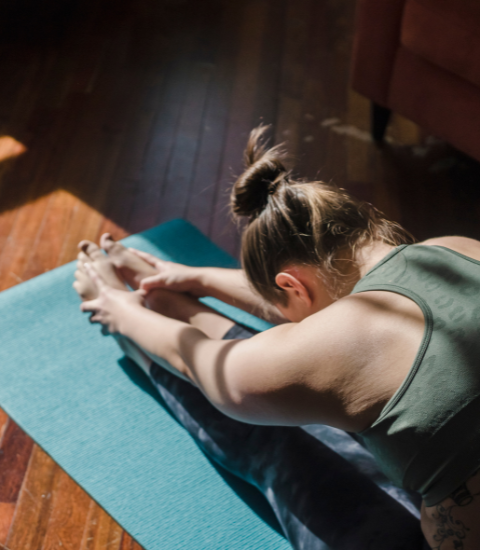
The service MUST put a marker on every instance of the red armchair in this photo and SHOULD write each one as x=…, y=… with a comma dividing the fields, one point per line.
x=421, y=58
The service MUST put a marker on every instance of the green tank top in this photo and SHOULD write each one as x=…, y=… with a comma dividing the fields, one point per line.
x=427, y=437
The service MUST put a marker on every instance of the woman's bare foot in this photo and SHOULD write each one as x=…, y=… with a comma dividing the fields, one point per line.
x=132, y=268
x=91, y=253
x=172, y=304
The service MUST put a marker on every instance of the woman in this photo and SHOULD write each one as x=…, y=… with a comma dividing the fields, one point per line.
x=375, y=335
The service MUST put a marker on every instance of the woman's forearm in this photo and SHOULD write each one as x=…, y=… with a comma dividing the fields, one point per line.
x=183, y=350
x=228, y=285
x=161, y=338
x=231, y=286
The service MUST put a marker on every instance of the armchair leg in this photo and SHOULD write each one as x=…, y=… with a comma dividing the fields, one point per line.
x=380, y=117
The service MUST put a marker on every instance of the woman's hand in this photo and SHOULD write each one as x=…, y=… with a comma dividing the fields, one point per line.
x=111, y=307
x=171, y=276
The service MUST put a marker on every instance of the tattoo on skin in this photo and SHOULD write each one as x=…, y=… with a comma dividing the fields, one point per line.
x=450, y=530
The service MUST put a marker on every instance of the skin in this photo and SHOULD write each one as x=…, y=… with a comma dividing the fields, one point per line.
x=334, y=362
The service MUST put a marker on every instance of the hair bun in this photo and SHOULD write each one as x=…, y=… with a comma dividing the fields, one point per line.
x=265, y=170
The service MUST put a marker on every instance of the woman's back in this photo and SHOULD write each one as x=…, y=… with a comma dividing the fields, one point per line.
x=422, y=436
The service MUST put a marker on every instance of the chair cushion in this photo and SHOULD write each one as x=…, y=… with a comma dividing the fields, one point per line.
x=446, y=34
x=441, y=102
x=377, y=30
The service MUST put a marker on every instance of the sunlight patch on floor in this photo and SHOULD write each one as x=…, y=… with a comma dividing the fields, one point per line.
x=10, y=147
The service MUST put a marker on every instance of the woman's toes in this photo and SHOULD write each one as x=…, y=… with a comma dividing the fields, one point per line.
x=81, y=267
x=106, y=241
x=84, y=286
x=111, y=247
x=90, y=249
x=83, y=258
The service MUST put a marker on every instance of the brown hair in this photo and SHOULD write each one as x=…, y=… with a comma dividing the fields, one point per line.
x=298, y=222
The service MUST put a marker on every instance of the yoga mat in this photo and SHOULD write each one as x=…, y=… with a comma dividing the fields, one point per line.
x=99, y=417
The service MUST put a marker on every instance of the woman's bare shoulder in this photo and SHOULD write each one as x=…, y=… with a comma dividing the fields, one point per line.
x=463, y=245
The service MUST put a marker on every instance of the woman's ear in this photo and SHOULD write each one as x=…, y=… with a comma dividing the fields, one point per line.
x=295, y=289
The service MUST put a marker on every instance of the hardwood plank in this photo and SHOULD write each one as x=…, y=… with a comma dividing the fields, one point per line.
x=128, y=543
x=88, y=66
x=337, y=66
x=34, y=504
x=7, y=509
x=14, y=62
x=70, y=506
x=13, y=258
x=241, y=114
x=270, y=73
x=86, y=222
x=49, y=240
x=203, y=188
x=315, y=161
x=266, y=102
x=55, y=91
x=31, y=217
x=185, y=154
x=161, y=132
x=16, y=447
x=287, y=128
x=10, y=147
x=135, y=176
x=99, y=146
x=101, y=531
x=290, y=92
x=20, y=183
x=295, y=48
x=70, y=220
x=36, y=176
x=3, y=424
x=138, y=105
x=37, y=72
x=7, y=221
x=359, y=151
x=179, y=175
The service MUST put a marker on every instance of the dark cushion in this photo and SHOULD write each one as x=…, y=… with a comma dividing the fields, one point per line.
x=445, y=33
x=375, y=46
x=444, y=104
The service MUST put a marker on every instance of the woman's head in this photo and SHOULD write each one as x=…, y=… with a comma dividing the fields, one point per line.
x=294, y=222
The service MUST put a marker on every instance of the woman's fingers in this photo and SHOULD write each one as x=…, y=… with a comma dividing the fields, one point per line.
x=140, y=293
x=149, y=258
x=155, y=281
x=90, y=305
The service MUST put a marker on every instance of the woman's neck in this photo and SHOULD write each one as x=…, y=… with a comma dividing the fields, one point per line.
x=353, y=269
x=350, y=270
x=369, y=255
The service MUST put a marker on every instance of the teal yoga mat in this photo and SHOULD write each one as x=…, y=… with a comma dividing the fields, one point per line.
x=98, y=416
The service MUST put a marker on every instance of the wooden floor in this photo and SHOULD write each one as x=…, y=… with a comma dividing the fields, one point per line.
x=134, y=112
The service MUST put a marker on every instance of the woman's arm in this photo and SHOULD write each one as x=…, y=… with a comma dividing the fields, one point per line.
x=229, y=285
x=180, y=348
x=277, y=377
x=454, y=524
